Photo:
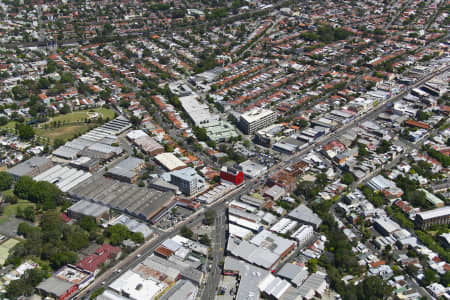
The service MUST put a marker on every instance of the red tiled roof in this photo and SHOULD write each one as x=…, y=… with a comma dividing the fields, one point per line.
x=102, y=254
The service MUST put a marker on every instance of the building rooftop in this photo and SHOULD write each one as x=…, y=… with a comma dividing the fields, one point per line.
x=31, y=167
x=170, y=161
x=435, y=213
x=256, y=114
x=304, y=214
x=87, y=208
x=54, y=286
x=250, y=277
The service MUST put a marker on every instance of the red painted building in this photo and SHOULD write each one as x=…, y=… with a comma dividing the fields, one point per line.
x=232, y=175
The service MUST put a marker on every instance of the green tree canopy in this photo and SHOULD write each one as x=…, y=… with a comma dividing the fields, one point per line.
x=6, y=180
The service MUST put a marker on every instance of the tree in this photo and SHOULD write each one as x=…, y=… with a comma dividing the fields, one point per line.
x=6, y=180
x=117, y=233
x=312, y=265
x=321, y=179
x=347, y=178
x=445, y=279
x=186, y=232
x=210, y=217
x=384, y=146
x=57, y=143
x=205, y=240
x=65, y=109
x=137, y=237
x=430, y=276
x=362, y=151
x=373, y=288
x=3, y=121
x=17, y=288
x=22, y=187
x=25, y=132
x=88, y=223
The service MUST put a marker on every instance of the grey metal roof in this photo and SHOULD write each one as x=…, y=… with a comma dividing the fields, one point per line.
x=139, y=202
x=304, y=214
x=88, y=208
x=183, y=289
x=294, y=273
x=250, y=277
x=55, y=286
x=28, y=166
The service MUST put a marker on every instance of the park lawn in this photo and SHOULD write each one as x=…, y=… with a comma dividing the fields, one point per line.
x=80, y=116
x=11, y=210
x=9, y=125
x=64, y=132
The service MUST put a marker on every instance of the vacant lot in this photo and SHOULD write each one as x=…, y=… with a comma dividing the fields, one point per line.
x=64, y=132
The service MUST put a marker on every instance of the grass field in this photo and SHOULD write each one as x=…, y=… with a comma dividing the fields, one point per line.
x=63, y=132
x=10, y=124
x=4, y=249
x=80, y=116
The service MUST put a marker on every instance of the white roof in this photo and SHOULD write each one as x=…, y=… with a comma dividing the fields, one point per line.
x=434, y=213
x=169, y=161
x=137, y=287
x=238, y=231
x=134, y=134
x=256, y=114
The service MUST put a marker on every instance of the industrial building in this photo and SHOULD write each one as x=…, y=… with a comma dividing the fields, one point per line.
x=264, y=250
x=303, y=235
x=256, y=119
x=97, y=143
x=385, y=226
x=305, y=215
x=142, y=203
x=127, y=170
x=437, y=216
x=146, y=143
x=63, y=177
x=85, y=208
x=183, y=289
x=249, y=276
x=169, y=161
x=133, y=225
x=32, y=167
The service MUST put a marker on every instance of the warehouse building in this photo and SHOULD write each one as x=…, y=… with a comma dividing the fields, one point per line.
x=32, y=167
x=145, y=142
x=127, y=170
x=86, y=164
x=169, y=161
x=142, y=203
x=256, y=119
x=305, y=215
x=249, y=276
x=63, y=177
x=437, y=216
x=133, y=225
x=85, y=208
x=97, y=143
